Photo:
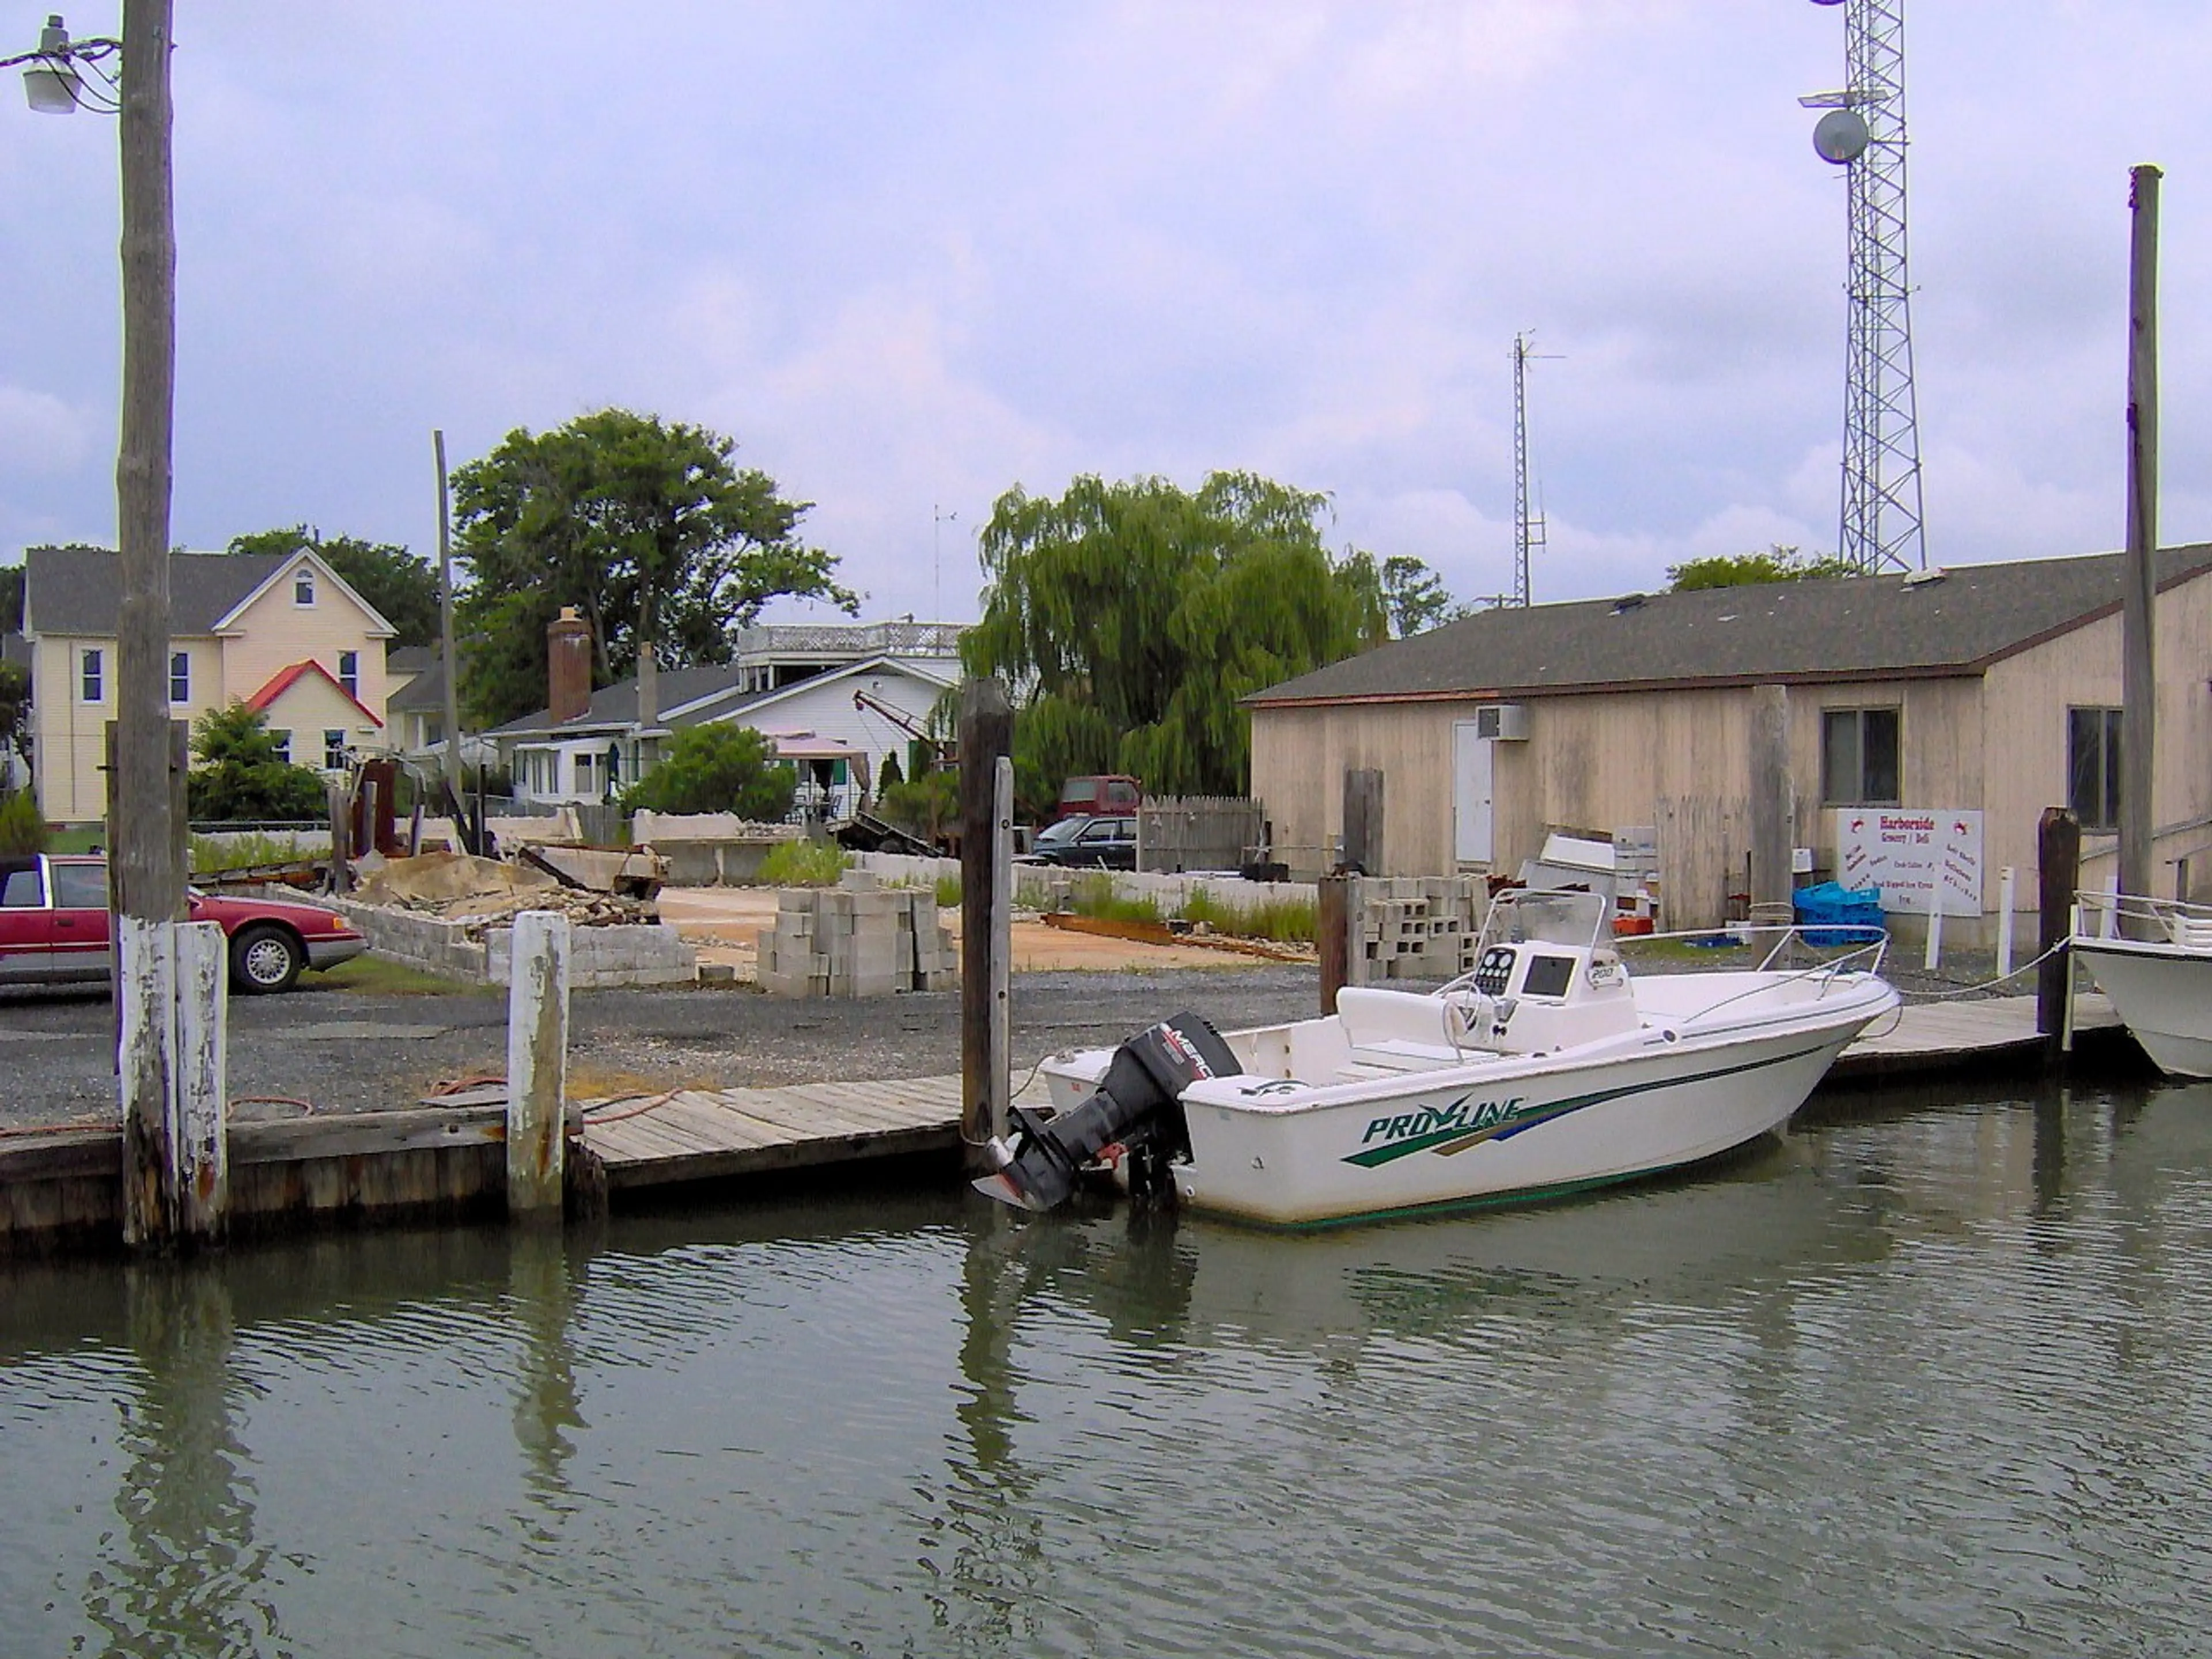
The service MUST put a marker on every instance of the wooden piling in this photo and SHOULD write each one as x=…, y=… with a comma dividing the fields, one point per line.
x=1333, y=932
x=1772, y=803
x=1363, y=822
x=536, y=1063
x=2139, y=581
x=987, y=737
x=176, y=1160
x=2058, y=873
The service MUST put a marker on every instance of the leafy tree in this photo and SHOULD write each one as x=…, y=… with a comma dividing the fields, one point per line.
x=16, y=709
x=242, y=775
x=1131, y=616
x=929, y=806
x=717, y=768
x=21, y=828
x=11, y=599
x=1778, y=565
x=894, y=774
x=1414, y=596
x=664, y=545
x=403, y=588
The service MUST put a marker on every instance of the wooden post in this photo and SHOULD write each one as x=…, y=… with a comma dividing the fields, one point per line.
x=1935, y=951
x=1771, y=802
x=340, y=840
x=1363, y=822
x=2139, y=590
x=1002, y=943
x=1333, y=933
x=2008, y=896
x=446, y=620
x=537, y=1062
x=2058, y=872
x=987, y=736
x=176, y=1188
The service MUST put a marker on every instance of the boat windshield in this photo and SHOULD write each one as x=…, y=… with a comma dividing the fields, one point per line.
x=1523, y=915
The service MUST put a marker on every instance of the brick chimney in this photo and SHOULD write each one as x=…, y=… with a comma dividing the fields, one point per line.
x=567, y=665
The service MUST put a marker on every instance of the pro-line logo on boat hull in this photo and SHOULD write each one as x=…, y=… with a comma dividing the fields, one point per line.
x=1445, y=1129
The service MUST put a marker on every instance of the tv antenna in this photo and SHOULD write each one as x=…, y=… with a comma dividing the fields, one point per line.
x=1863, y=133
x=1528, y=524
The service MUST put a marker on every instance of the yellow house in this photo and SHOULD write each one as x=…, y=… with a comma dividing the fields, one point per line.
x=280, y=632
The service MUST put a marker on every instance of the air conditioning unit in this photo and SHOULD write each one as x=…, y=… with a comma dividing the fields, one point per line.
x=1506, y=721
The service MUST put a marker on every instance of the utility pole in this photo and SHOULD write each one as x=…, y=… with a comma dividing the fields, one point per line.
x=147, y=875
x=2139, y=588
x=445, y=617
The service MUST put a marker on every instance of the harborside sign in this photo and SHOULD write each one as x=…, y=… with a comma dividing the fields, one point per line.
x=1919, y=859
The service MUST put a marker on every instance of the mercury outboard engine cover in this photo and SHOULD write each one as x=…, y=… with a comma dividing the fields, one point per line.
x=1136, y=1104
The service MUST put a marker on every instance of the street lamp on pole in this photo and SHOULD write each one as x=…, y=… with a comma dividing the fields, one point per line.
x=146, y=853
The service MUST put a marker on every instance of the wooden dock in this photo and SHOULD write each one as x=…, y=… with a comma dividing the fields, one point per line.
x=701, y=1134
x=1934, y=1037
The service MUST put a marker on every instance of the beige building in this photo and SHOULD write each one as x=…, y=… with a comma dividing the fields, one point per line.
x=281, y=632
x=1989, y=690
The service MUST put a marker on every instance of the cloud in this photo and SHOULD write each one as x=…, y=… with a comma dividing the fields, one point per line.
x=40, y=434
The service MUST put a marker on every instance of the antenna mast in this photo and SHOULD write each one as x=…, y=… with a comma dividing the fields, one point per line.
x=1528, y=526
x=1863, y=132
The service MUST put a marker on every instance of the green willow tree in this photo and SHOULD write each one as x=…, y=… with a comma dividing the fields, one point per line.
x=1130, y=618
x=1778, y=565
x=663, y=544
x=402, y=587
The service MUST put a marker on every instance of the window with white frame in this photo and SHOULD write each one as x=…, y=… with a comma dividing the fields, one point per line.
x=303, y=587
x=583, y=773
x=92, y=674
x=334, y=756
x=180, y=677
x=2093, y=767
x=1859, y=757
x=349, y=673
x=284, y=741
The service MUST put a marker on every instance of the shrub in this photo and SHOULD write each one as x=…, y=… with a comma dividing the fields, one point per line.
x=803, y=864
x=926, y=806
x=21, y=828
x=1287, y=921
x=948, y=892
x=717, y=768
x=242, y=775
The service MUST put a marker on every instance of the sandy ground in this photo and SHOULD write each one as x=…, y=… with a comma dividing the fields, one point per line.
x=726, y=923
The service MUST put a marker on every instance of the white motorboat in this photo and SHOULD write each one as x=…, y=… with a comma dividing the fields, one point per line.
x=1545, y=1070
x=2154, y=958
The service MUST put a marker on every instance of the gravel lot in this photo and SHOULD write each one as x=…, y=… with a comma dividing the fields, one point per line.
x=348, y=1051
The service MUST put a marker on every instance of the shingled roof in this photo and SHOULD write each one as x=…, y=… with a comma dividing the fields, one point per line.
x=77, y=590
x=616, y=706
x=1850, y=628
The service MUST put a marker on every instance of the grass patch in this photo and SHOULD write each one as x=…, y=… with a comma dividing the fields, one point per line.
x=1094, y=895
x=803, y=864
x=376, y=975
x=1287, y=921
x=76, y=838
x=239, y=852
x=948, y=892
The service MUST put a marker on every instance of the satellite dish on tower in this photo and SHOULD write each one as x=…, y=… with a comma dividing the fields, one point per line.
x=1840, y=136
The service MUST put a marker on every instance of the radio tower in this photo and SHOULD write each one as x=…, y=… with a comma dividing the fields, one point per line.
x=1863, y=133
x=1528, y=526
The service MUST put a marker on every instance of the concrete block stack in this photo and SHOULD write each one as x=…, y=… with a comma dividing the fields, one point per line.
x=856, y=940
x=1419, y=927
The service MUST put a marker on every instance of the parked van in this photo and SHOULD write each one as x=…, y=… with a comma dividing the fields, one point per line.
x=1096, y=797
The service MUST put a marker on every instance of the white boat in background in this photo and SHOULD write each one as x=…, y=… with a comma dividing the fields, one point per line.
x=1545, y=1070
x=2152, y=958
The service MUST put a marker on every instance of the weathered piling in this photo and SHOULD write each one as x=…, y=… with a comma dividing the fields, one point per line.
x=537, y=1063
x=176, y=1186
x=1333, y=933
x=987, y=738
x=2058, y=873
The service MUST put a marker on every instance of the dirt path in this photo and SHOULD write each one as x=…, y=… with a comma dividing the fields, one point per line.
x=726, y=923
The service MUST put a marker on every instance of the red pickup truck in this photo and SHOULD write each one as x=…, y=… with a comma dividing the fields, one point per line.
x=54, y=928
x=1098, y=796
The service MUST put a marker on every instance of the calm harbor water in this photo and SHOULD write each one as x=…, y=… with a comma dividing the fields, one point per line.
x=1931, y=1377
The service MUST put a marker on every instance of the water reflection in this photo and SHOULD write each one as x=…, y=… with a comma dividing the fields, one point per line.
x=185, y=1574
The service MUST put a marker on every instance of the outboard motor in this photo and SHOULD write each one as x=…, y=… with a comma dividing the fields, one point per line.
x=1136, y=1104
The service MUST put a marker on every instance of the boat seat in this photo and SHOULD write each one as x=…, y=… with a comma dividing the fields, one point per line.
x=1390, y=1032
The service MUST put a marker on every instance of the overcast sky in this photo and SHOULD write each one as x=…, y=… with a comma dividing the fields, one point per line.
x=911, y=254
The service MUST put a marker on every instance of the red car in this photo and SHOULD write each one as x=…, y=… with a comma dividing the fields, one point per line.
x=54, y=927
